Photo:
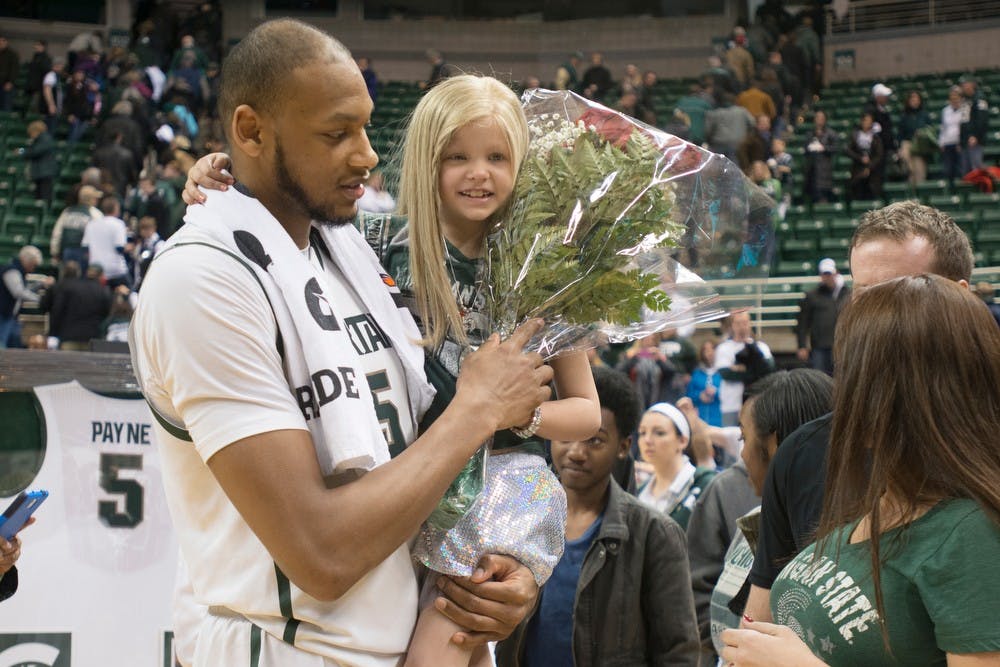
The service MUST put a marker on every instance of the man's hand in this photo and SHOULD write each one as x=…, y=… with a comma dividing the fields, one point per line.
x=973, y=142
x=491, y=603
x=210, y=172
x=503, y=384
x=803, y=354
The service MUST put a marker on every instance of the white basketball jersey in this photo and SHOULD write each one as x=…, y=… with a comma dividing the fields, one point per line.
x=100, y=562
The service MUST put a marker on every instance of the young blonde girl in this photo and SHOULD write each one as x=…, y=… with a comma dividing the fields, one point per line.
x=463, y=147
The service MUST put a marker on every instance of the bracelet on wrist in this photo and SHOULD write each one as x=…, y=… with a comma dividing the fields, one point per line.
x=531, y=428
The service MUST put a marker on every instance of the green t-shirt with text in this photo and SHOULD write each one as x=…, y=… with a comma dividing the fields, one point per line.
x=940, y=584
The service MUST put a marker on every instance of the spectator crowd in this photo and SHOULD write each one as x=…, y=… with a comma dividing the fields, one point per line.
x=708, y=476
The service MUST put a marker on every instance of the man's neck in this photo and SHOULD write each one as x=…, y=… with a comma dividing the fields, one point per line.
x=583, y=508
x=294, y=222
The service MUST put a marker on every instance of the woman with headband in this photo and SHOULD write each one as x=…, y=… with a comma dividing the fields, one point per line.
x=664, y=435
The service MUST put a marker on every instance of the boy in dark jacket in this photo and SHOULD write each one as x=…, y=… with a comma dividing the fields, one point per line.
x=621, y=594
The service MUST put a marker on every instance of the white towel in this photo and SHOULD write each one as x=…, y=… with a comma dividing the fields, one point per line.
x=313, y=340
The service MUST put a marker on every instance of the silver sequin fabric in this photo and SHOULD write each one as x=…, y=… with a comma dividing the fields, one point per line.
x=521, y=513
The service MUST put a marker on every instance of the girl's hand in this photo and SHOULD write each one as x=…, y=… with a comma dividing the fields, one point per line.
x=766, y=645
x=210, y=172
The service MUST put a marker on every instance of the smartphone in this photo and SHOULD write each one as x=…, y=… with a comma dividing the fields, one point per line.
x=19, y=511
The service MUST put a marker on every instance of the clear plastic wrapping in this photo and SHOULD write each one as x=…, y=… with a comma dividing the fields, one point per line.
x=614, y=227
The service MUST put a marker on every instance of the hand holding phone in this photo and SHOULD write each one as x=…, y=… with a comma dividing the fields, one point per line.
x=16, y=516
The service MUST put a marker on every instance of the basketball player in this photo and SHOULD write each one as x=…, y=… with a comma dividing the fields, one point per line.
x=297, y=561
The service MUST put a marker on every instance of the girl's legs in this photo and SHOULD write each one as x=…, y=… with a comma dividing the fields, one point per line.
x=431, y=643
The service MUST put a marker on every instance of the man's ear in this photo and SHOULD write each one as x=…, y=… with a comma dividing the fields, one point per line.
x=246, y=130
x=624, y=447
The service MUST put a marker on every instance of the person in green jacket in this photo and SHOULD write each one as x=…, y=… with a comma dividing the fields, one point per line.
x=41, y=155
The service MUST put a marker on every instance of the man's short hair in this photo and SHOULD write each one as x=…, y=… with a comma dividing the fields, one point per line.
x=30, y=253
x=256, y=70
x=616, y=393
x=901, y=220
x=109, y=204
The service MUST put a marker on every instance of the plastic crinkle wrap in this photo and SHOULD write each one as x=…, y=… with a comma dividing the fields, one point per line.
x=613, y=229
x=615, y=226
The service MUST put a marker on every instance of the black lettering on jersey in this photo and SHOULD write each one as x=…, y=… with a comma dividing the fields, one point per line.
x=326, y=386
x=252, y=248
x=366, y=335
x=320, y=307
x=131, y=433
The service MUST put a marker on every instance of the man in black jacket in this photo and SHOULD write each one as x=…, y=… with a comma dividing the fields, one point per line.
x=975, y=125
x=818, y=313
x=38, y=67
x=77, y=306
x=9, y=67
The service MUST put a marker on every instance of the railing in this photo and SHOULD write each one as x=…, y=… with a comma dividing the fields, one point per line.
x=772, y=309
x=864, y=15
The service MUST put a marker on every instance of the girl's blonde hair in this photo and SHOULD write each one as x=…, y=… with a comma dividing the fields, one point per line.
x=451, y=104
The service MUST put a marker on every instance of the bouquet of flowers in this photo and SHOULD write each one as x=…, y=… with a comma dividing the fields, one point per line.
x=604, y=208
x=607, y=212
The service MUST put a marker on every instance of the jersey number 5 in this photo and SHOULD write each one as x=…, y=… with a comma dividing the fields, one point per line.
x=130, y=490
x=387, y=413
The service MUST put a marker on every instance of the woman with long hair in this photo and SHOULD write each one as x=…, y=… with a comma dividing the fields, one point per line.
x=908, y=556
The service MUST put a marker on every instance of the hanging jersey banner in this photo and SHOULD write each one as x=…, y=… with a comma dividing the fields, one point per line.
x=97, y=570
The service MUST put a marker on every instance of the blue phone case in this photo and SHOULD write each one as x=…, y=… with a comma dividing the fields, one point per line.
x=19, y=511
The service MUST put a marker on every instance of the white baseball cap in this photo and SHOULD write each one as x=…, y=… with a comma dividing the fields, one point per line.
x=827, y=265
x=881, y=90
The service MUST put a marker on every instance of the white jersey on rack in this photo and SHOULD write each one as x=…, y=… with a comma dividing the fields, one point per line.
x=222, y=377
x=98, y=567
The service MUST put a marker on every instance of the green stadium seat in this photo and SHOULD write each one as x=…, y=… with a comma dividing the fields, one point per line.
x=947, y=203
x=829, y=210
x=834, y=247
x=20, y=225
x=966, y=220
x=980, y=200
x=809, y=229
x=16, y=240
x=843, y=227
x=989, y=218
x=963, y=189
x=28, y=206
x=988, y=240
x=42, y=243
x=7, y=250
x=793, y=268
x=859, y=206
x=802, y=250
x=897, y=192
x=927, y=189
x=797, y=212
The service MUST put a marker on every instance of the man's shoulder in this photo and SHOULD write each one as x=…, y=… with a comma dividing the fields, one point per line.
x=193, y=259
x=640, y=518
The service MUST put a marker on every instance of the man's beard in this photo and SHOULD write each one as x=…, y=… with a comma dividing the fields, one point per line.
x=294, y=193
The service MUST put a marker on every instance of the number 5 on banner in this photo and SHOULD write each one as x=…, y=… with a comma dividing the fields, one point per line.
x=132, y=491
